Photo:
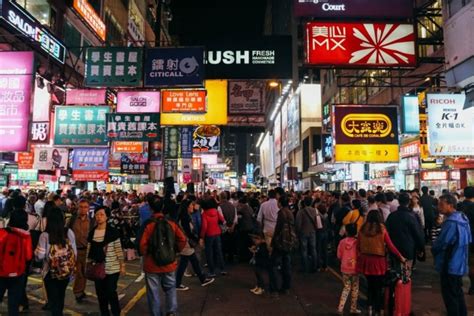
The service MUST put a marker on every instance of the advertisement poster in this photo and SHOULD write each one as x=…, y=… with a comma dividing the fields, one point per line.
x=186, y=140
x=156, y=153
x=39, y=132
x=450, y=125
x=138, y=102
x=174, y=66
x=366, y=133
x=16, y=77
x=411, y=115
x=246, y=97
x=41, y=100
x=183, y=101
x=86, y=97
x=25, y=160
x=206, y=139
x=360, y=44
x=80, y=126
x=186, y=170
x=90, y=159
x=133, y=127
x=171, y=142
x=50, y=158
x=294, y=130
x=114, y=67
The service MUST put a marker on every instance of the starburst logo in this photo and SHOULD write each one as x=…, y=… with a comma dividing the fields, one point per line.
x=385, y=44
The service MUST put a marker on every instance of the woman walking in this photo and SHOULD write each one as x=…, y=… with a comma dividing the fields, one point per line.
x=211, y=234
x=104, y=247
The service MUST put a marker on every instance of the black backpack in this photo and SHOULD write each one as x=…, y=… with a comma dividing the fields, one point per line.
x=162, y=243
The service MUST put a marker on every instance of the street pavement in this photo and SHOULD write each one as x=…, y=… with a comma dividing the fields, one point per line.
x=312, y=294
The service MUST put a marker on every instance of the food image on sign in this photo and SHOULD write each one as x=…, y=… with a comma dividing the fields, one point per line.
x=206, y=139
x=183, y=101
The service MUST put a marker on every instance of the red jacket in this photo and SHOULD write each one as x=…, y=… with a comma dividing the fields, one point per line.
x=210, y=223
x=17, y=241
x=149, y=265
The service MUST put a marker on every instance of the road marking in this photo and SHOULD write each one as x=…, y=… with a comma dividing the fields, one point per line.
x=133, y=301
x=42, y=302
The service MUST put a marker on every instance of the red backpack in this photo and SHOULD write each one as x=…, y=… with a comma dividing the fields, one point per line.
x=12, y=254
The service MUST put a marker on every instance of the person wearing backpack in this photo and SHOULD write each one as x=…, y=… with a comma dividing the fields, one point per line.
x=57, y=248
x=306, y=225
x=15, y=252
x=104, y=250
x=162, y=239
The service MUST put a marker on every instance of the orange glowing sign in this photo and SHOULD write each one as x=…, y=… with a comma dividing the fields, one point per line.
x=87, y=12
x=183, y=101
x=197, y=163
x=25, y=160
x=128, y=147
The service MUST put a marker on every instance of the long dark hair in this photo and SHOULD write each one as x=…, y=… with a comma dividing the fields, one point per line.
x=183, y=209
x=373, y=225
x=55, y=227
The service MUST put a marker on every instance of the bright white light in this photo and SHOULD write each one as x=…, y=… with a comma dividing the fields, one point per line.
x=260, y=139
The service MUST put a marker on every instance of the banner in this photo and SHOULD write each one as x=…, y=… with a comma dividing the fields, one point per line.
x=25, y=160
x=90, y=159
x=16, y=77
x=114, y=67
x=174, y=66
x=86, y=97
x=366, y=133
x=50, y=158
x=206, y=139
x=294, y=122
x=171, y=168
x=138, y=102
x=186, y=170
x=171, y=142
x=360, y=44
x=41, y=100
x=183, y=101
x=186, y=140
x=40, y=132
x=128, y=147
x=88, y=175
x=246, y=97
x=450, y=125
x=133, y=127
x=80, y=126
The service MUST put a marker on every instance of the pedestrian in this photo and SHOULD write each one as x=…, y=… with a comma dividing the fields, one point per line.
x=322, y=234
x=211, y=236
x=382, y=205
x=229, y=212
x=373, y=239
x=467, y=207
x=427, y=203
x=267, y=216
x=57, y=248
x=306, y=226
x=15, y=254
x=81, y=226
x=417, y=209
x=451, y=251
x=261, y=261
x=104, y=247
x=160, y=242
x=355, y=216
x=246, y=225
x=347, y=252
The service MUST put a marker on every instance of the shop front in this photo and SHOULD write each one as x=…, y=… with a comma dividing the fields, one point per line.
x=439, y=180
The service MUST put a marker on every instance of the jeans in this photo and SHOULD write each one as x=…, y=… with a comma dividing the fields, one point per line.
x=15, y=290
x=453, y=295
x=106, y=291
x=229, y=245
x=56, y=290
x=260, y=275
x=375, y=292
x=280, y=263
x=213, y=248
x=167, y=282
x=308, y=246
x=183, y=263
x=79, y=278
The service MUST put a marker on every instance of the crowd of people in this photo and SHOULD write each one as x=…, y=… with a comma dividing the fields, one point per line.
x=89, y=237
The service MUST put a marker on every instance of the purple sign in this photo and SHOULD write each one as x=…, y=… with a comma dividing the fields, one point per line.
x=16, y=77
x=92, y=159
x=138, y=102
x=354, y=8
x=85, y=96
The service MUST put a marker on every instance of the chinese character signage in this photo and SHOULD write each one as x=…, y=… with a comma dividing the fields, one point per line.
x=128, y=147
x=365, y=133
x=90, y=159
x=27, y=175
x=171, y=142
x=86, y=97
x=174, y=66
x=450, y=125
x=114, y=67
x=138, y=102
x=327, y=149
x=16, y=77
x=171, y=168
x=249, y=168
x=49, y=158
x=90, y=175
x=25, y=160
x=183, y=101
x=39, y=133
x=326, y=117
x=434, y=175
x=186, y=135
x=133, y=127
x=134, y=168
x=360, y=44
x=354, y=9
x=424, y=153
x=411, y=115
x=87, y=12
x=410, y=149
x=294, y=131
x=80, y=126
x=206, y=139
x=246, y=97
x=197, y=163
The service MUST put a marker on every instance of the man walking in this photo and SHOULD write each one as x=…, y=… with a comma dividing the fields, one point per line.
x=229, y=212
x=427, y=203
x=306, y=223
x=450, y=251
x=267, y=216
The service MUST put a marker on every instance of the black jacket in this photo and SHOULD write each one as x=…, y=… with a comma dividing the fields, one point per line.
x=405, y=232
x=427, y=202
x=467, y=207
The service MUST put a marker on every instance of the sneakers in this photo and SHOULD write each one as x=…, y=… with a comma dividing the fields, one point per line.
x=356, y=311
x=340, y=311
x=187, y=275
x=257, y=291
x=182, y=288
x=208, y=281
x=211, y=275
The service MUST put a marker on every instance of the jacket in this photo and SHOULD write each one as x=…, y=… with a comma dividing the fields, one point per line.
x=372, y=244
x=451, y=248
x=284, y=216
x=354, y=217
x=306, y=221
x=26, y=252
x=149, y=265
x=467, y=207
x=347, y=253
x=405, y=232
x=210, y=223
x=246, y=219
x=427, y=203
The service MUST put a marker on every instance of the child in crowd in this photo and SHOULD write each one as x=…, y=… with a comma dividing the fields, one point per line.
x=261, y=260
x=436, y=230
x=347, y=252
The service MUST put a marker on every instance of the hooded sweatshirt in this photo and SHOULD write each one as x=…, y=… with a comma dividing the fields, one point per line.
x=210, y=223
x=450, y=249
x=347, y=253
x=21, y=240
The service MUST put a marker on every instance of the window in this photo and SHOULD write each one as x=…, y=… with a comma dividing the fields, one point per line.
x=72, y=39
x=39, y=9
x=114, y=33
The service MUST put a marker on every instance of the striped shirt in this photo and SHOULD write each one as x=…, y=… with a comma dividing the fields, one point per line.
x=114, y=254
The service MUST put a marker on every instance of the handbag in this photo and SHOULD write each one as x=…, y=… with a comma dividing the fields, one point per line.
x=95, y=271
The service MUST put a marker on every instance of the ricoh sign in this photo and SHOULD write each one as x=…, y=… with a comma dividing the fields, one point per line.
x=353, y=8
